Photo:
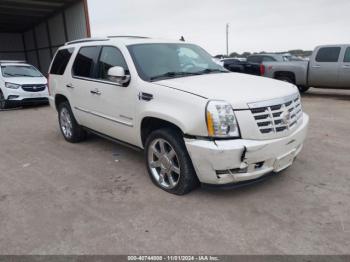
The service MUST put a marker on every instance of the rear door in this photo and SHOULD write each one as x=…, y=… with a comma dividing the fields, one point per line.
x=344, y=69
x=323, y=70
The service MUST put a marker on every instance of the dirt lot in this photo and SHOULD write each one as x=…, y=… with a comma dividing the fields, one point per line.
x=96, y=197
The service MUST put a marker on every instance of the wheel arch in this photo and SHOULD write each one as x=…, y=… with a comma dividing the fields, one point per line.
x=59, y=98
x=151, y=123
x=288, y=74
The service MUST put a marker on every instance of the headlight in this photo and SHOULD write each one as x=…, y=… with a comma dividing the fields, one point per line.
x=221, y=120
x=12, y=86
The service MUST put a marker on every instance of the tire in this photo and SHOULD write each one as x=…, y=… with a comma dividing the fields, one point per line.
x=171, y=170
x=303, y=89
x=3, y=102
x=71, y=130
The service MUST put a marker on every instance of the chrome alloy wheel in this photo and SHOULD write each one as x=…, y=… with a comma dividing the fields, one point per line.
x=164, y=163
x=66, y=123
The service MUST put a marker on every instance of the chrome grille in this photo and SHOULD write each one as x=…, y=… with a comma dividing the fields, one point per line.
x=33, y=88
x=277, y=116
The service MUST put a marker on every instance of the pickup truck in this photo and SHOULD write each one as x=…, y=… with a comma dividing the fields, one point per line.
x=329, y=67
x=254, y=63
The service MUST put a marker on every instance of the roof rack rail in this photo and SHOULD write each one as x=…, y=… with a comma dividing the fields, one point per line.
x=127, y=36
x=84, y=40
x=13, y=61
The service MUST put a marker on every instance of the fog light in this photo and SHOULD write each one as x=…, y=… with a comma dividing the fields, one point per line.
x=12, y=97
x=259, y=165
x=220, y=173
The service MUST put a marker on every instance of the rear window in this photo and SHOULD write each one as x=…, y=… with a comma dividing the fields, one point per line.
x=86, y=61
x=61, y=61
x=255, y=59
x=328, y=54
x=269, y=59
x=347, y=55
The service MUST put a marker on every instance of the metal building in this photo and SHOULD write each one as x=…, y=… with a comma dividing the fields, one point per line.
x=32, y=30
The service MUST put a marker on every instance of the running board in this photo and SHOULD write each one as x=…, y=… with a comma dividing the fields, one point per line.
x=117, y=141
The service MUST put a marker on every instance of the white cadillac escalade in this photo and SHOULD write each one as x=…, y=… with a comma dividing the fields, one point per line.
x=197, y=122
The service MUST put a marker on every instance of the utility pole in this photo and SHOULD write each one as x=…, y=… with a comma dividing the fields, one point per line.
x=227, y=27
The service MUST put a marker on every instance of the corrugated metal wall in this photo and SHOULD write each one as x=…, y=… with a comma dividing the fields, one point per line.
x=39, y=44
x=11, y=47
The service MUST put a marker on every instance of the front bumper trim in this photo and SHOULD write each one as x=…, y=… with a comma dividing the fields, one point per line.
x=256, y=157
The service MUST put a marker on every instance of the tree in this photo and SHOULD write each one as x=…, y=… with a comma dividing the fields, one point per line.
x=235, y=54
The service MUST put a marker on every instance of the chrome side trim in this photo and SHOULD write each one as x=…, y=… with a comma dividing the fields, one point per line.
x=104, y=117
x=97, y=80
x=273, y=102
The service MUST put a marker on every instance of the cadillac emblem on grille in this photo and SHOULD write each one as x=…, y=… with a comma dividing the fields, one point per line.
x=277, y=115
x=286, y=116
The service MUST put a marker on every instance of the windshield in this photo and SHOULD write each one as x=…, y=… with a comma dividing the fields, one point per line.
x=161, y=61
x=20, y=71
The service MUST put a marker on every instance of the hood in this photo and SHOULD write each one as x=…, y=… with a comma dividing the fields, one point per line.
x=237, y=89
x=26, y=80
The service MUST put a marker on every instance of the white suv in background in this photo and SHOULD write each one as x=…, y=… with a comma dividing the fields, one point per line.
x=197, y=122
x=21, y=84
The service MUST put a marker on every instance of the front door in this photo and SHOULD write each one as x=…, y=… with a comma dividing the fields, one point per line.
x=344, y=70
x=114, y=104
x=323, y=71
x=82, y=86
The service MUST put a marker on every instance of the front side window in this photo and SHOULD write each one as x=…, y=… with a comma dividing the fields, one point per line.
x=61, y=61
x=328, y=54
x=347, y=55
x=170, y=60
x=85, y=62
x=20, y=71
x=110, y=57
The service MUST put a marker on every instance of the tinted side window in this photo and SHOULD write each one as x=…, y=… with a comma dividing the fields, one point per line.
x=268, y=59
x=347, y=55
x=328, y=54
x=61, y=61
x=110, y=57
x=85, y=61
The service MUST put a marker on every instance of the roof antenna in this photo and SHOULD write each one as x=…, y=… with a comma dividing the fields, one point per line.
x=182, y=38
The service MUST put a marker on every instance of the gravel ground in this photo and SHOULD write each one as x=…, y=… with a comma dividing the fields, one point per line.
x=96, y=198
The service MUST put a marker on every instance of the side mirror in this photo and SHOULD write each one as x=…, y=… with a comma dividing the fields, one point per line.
x=117, y=75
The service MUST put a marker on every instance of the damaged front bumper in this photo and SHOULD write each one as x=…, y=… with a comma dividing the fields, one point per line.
x=223, y=162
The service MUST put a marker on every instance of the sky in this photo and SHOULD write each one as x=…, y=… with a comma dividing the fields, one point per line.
x=254, y=25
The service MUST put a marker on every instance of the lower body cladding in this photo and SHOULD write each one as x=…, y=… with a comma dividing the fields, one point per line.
x=18, y=98
x=224, y=162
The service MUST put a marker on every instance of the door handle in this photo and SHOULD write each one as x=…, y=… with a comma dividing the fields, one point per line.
x=316, y=66
x=145, y=96
x=346, y=66
x=96, y=92
x=70, y=86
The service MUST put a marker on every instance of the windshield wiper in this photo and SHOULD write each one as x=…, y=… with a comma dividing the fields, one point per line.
x=22, y=75
x=7, y=74
x=172, y=74
x=211, y=70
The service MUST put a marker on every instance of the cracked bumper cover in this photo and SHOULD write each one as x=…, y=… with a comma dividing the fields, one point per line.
x=233, y=161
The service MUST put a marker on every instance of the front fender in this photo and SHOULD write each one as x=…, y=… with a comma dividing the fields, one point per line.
x=186, y=111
